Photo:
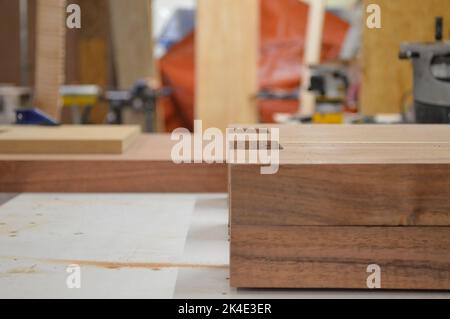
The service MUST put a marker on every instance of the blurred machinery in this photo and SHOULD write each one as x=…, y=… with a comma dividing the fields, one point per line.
x=141, y=97
x=431, y=64
x=329, y=83
x=80, y=99
x=11, y=98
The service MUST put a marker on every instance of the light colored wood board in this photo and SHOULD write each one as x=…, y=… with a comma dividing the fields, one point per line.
x=363, y=133
x=66, y=139
x=159, y=146
x=132, y=40
x=337, y=257
x=50, y=55
x=302, y=195
x=363, y=153
x=146, y=147
x=362, y=144
x=226, y=62
x=386, y=79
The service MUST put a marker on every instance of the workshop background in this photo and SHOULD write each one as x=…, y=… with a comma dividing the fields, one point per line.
x=171, y=46
x=90, y=91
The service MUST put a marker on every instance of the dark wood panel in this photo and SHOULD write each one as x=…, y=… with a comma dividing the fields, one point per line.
x=337, y=257
x=9, y=42
x=111, y=176
x=372, y=194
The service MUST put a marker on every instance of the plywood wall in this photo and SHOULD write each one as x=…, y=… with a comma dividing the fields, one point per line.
x=386, y=79
x=88, y=58
x=9, y=42
x=226, y=61
x=132, y=40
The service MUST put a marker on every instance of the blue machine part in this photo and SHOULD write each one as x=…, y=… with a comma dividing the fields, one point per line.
x=33, y=116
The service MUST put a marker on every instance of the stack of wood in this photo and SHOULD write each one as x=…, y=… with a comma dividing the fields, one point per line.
x=345, y=198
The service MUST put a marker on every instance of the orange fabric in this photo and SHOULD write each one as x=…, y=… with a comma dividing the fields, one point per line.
x=283, y=30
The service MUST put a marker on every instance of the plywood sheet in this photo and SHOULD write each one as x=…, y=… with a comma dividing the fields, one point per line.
x=132, y=40
x=226, y=62
x=66, y=139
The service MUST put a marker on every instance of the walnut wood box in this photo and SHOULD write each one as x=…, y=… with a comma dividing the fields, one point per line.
x=344, y=198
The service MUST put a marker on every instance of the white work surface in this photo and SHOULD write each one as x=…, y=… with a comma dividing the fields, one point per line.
x=128, y=246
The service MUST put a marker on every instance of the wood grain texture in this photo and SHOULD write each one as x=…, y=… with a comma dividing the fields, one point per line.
x=70, y=139
x=118, y=176
x=132, y=40
x=386, y=79
x=389, y=194
x=50, y=55
x=345, y=197
x=337, y=257
x=226, y=62
x=146, y=166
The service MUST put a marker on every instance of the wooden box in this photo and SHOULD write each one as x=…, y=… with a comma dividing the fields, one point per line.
x=345, y=198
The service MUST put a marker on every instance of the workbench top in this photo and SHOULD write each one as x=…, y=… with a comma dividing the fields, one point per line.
x=128, y=246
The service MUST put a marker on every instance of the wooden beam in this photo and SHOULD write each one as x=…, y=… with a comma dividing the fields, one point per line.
x=342, y=194
x=338, y=257
x=50, y=55
x=132, y=40
x=226, y=62
x=146, y=166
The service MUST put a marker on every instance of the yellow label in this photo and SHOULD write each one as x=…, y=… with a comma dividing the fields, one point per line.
x=328, y=118
x=79, y=100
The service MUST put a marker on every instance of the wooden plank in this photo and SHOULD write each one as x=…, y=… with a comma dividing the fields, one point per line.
x=50, y=55
x=66, y=139
x=349, y=175
x=386, y=79
x=132, y=40
x=374, y=194
x=360, y=135
x=226, y=62
x=338, y=257
x=146, y=166
x=121, y=176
